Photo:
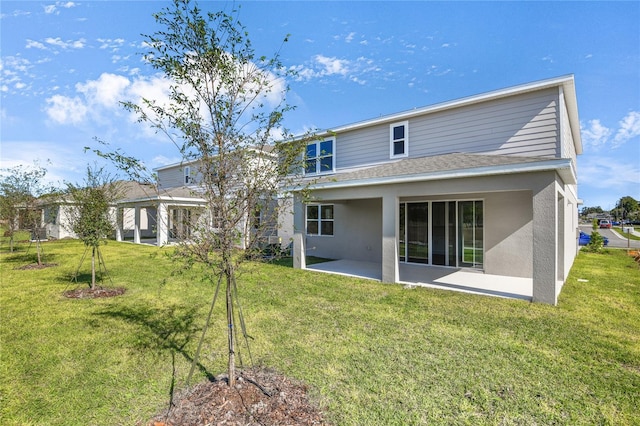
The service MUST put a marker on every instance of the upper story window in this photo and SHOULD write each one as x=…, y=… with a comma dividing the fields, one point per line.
x=399, y=139
x=319, y=157
x=187, y=175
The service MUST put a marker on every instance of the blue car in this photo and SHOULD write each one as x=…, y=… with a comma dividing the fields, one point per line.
x=586, y=238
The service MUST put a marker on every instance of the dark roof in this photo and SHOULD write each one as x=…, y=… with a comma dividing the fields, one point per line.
x=447, y=164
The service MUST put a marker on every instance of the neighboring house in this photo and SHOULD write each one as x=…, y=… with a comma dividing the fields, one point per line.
x=159, y=213
x=55, y=216
x=177, y=205
x=486, y=184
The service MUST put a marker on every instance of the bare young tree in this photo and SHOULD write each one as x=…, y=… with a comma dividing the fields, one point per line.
x=89, y=211
x=225, y=116
x=22, y=193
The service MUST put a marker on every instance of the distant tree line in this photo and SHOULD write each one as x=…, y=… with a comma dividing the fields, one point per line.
x=627, y=209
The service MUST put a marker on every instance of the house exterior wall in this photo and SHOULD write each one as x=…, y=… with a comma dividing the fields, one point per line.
x=173, y=176
x=525, y=125
x=508, y=218
x=357, y=232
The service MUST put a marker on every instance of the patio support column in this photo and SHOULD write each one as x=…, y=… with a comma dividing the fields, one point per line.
x=119, y=223
x=545, y=237
x=299, y=253
x=136, y=225
x=390, y=212
x=162, y=222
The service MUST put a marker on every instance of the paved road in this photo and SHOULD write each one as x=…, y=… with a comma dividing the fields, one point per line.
x=615, y=239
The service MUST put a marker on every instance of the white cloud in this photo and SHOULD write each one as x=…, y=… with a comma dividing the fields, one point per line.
x=350, y=37
x=69, y=44
x=606, y=173
x=106, y=91
x=597, y=135
x=65, y=110
x=53, y=8
x=35, y=45
x=629, y=128
x=322, y=66
x=332, y=65
x=161, y=160
x=113, y=44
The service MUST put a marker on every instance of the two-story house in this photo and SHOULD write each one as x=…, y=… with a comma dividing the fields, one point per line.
x=475, y=193
x=177, y=206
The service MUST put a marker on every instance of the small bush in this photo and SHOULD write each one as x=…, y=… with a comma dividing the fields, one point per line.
x=596, y=244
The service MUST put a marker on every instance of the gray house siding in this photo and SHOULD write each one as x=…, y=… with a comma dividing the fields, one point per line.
x=171, y=178
x=524, y=125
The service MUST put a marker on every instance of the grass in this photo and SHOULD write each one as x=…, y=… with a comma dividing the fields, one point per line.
x=372, y=353
x=628, y=235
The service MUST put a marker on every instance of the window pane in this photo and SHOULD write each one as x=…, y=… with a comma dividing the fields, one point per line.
x=312, y=227
x=327, y=227
x=312, y=212
x=310, y=166
x=311, y=151
x=398, y=133
x=327, y=212
x=418, y=232
x=326, y=148
x=326, y=164
x=398, y=148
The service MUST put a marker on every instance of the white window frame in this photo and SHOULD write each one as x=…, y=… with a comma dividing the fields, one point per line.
x=319, y=220
x=187, y=175
x=319, y=157
x=392, y=141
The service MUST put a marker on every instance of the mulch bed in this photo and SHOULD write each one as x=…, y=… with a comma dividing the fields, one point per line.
x=93, y=293
x=36, y=266
x=260, y=397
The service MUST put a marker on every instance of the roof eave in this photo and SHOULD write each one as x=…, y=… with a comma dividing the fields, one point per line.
x=561, y=166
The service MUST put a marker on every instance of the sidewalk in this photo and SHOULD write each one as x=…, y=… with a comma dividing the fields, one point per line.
x=623, y=235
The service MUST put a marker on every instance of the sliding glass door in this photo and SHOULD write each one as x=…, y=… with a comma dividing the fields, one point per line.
x=445, y=233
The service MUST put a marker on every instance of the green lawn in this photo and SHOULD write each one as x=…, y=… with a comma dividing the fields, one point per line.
x=371, y=353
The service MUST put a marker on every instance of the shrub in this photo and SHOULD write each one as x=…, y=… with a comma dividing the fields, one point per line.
x=596, y=244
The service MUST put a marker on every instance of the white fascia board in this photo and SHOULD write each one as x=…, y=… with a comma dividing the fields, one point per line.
x=563, y=167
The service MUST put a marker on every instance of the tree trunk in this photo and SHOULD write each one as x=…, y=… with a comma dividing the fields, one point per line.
x=232, y=355
x=38, y=250
x=93, y=268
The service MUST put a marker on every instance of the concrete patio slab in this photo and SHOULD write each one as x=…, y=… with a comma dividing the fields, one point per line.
x=443, y=278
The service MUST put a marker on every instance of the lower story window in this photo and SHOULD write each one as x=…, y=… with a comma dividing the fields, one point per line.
x=320, y=219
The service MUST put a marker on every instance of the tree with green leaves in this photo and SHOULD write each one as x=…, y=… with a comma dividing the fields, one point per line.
x=89, y=212
x=225, y=117
x=22, y=193
x=626, y=207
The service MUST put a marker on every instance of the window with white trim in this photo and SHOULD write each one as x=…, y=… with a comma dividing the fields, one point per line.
x=320, y=219
x=187, y=175
x=319, y=157
x=399, y=139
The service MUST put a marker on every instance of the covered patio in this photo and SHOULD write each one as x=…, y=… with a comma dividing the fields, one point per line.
x=442, y=278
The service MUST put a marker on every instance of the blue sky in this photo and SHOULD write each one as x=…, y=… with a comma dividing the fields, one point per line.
x=65, y=65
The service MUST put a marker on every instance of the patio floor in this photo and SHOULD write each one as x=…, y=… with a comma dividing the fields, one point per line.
x=443, y=278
